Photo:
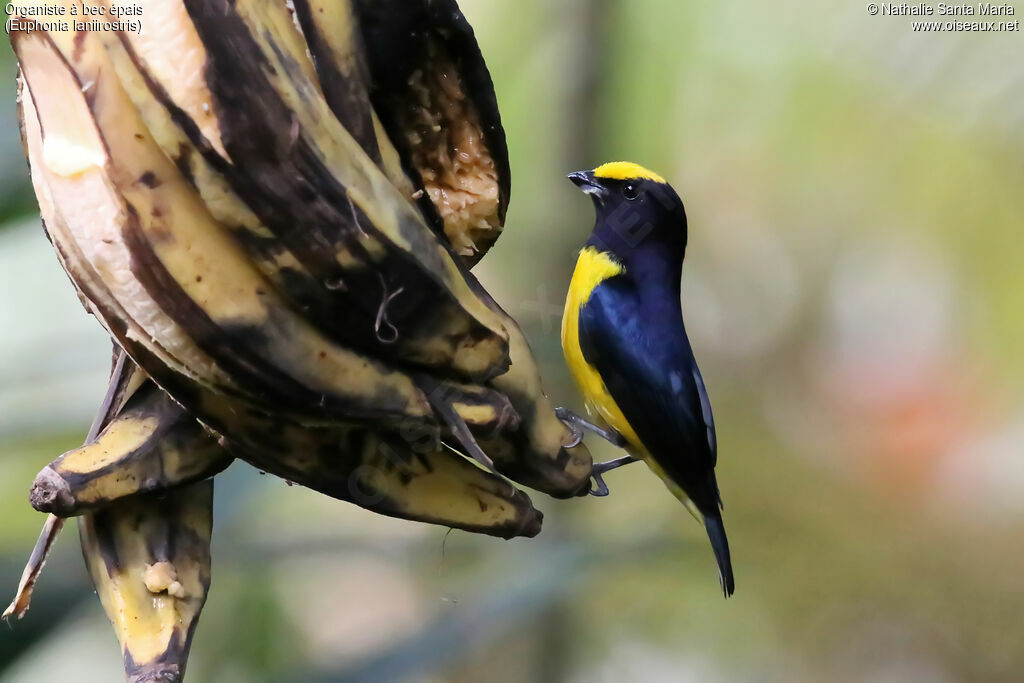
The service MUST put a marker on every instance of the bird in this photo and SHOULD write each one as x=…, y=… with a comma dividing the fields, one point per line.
x=626, y=347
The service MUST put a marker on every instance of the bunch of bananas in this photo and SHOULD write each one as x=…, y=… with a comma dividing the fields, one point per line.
x=272, y=208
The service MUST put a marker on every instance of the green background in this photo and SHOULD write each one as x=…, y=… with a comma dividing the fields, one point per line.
x=854, y=290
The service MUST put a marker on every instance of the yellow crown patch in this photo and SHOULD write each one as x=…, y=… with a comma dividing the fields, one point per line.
x=626, y=170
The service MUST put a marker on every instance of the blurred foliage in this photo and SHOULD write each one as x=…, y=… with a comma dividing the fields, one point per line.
x=853, y=291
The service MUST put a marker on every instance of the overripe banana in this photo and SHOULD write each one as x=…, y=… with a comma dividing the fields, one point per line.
x=151, y=445
x=125, y=380
x=543, y=453
x=149, y=558
x=320, y=220
x=407, y=473
x=422, y=481
x=543, y=429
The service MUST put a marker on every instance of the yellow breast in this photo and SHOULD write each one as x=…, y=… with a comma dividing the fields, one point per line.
x=592, y=268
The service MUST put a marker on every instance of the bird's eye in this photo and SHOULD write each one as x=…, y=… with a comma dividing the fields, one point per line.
x=630, y=191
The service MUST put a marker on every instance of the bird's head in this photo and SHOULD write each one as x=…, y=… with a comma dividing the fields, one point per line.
x=637, y=209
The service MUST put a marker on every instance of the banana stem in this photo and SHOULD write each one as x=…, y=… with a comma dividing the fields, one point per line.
x=23, y=598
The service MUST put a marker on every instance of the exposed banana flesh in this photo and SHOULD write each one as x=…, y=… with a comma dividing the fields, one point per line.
x=433, y=93
x=149, y=558
x=151, y=445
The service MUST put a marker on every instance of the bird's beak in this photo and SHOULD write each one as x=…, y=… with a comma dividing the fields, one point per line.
x=586, y=181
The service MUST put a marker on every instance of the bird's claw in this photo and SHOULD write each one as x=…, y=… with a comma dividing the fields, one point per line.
x=597, y=472
x=599, y=488
x=566, y=416
x=577, y=424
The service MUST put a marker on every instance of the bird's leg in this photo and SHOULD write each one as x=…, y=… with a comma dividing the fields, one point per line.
x=597, y=473
x=575, y=422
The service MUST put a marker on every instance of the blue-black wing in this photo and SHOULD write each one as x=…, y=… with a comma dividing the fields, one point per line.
x=640, y=349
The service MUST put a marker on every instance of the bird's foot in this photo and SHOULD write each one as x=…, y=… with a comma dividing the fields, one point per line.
x=577, y=424
x=600, y=489
x=565, y=415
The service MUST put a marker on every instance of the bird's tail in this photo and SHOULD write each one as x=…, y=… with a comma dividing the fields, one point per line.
x=720, y=544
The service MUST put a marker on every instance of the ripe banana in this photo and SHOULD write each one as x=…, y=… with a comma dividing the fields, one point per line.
x=151, y=445
x=543, y=453
x=149, y=558
x=543, y=435
x=424, y=481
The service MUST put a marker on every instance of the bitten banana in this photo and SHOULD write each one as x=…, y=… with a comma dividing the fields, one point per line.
x=151, y=445
x=434, y=95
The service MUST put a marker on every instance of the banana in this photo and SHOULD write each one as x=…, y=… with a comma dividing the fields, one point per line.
x=149, y=558
x=434, y=95
x=151, y=445
x=325, y=226
x=390, y=476
x=272, y=208
x=483, y=409
x=148, y=555
x=144, y=234
x=332, y=32
x=407, y=473
x=331, y=35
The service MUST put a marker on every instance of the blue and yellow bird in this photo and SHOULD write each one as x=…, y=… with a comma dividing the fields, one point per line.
x=626, y=345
